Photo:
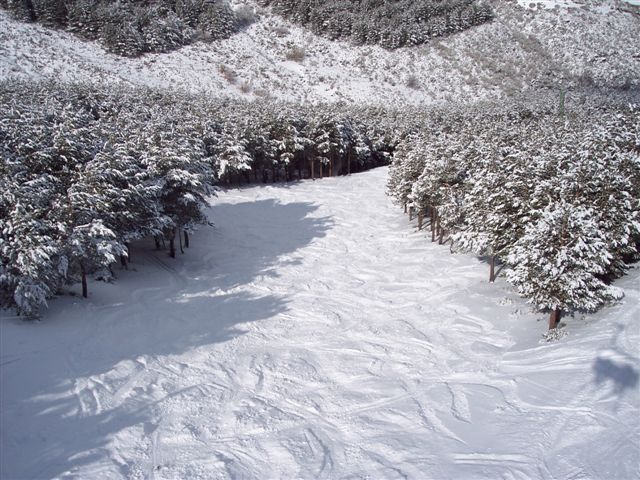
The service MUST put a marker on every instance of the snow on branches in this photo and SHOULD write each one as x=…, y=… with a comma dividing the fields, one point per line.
x=133, y=28
x=85, y=171
x=390, y=24
x=556, y=198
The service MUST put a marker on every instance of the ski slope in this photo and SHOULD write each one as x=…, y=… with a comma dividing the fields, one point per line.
x=314, y=333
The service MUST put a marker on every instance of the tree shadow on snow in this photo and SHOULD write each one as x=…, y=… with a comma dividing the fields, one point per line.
x=165, y=308
x=623, y=376
x=616, y=367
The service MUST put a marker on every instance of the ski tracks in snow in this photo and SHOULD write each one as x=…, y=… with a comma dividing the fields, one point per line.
x=315, y=334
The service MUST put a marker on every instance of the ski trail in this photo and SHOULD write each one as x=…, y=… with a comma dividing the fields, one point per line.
x=315, y=333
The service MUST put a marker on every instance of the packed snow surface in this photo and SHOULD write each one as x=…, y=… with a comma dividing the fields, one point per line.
x=314, y=333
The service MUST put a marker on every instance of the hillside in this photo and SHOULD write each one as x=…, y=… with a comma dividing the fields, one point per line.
x=595, y=43
x=313, y=333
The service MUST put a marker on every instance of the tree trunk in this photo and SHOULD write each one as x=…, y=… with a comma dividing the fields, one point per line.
x=186, y=239
x=492, y=269
x=405, y=207
x=433, y=225
x=321, y=172
x=157, y=240
x=172, y=244
x=420, y=217
x=410, y=213
x=313, y=177
x=123, y=262
x=432, y=222
x=554, y=318
x=180, y=242
x=349, y=162
x=85, y=290
x=331, y=167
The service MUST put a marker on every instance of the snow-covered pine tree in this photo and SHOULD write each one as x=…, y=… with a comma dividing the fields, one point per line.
x=121, y=32
x=327, y=141
x=216, y=20
x=22, y=10
x=407, y=165
x=33, y=264
x=558, y=263
x=162, y=29
x=361, y=149
x=90, y=246
x=231, y=154
x=84, y=17
x=175, y=157
x=296, y=141
x=189, y=11
x=440, y=187
x=50, y=12
x=126, y=201
x=613, y=152
x=35, y=175
x=496, y=203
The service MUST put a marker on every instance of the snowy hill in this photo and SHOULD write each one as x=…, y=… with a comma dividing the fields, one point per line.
x=523, y=48
x=284, y=346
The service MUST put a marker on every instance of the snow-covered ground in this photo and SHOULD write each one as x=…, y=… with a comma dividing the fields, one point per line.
x=314, y=333
x=522, y=48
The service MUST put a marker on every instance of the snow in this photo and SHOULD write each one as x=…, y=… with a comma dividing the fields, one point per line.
x=601, y=43
x=604, y=6
x=314, y=333
x=548, y=4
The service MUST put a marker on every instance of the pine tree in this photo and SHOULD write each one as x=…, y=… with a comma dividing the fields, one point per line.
x=33, y=263
x=50, y=12
x=407, y=165
x=85, y=18
x=558, y=262
x=22, y=9
x=176, y=158
x=496, y=204
x=231, y=155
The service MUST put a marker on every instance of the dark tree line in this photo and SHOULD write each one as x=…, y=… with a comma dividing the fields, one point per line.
x=85, y=171
x=131, y=28
x=392, y=24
